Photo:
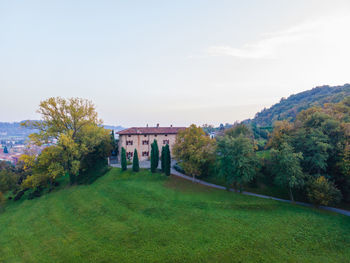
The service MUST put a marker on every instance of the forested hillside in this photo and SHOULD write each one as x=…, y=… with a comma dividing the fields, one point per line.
x=287, y=109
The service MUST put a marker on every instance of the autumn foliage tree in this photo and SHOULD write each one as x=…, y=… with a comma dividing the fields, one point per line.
x=195, y=150
x=76, y=127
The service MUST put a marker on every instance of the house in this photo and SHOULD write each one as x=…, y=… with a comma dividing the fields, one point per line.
x=141, y=138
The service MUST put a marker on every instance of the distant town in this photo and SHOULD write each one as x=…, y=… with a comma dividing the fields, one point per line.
x=14, y=141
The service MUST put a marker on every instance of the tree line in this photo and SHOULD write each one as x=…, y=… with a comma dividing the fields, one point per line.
x=310, y=155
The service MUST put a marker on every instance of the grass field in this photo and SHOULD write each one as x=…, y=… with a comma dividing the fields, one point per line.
x=127, y=217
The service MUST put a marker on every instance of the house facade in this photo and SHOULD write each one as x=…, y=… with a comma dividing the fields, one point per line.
x=141, y=138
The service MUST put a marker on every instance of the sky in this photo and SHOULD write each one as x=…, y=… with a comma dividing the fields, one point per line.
x=169, y=62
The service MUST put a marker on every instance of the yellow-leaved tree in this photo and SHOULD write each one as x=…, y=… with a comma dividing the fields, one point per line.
x=195, y=150
x=81, y=140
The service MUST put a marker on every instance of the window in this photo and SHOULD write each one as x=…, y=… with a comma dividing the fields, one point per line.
x=165, y=141
x=145, y=153
x=129, y=135
x=129, y=142
x=166, y=135
x=129, y=155
x=145, y=142
x=145, y=135
x=155, y=135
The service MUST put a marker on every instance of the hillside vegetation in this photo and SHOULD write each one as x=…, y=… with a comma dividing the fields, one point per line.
x=288, y=109
x=145, y=217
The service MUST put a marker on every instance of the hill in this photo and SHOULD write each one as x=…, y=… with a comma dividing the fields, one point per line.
x=15, y=131
x=144, y=217
x=287, y=109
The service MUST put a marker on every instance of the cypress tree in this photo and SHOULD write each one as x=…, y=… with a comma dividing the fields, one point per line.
x=113, y=144
x=163, y=159
x=5, y=150
x=135, y=162
x=167, y=160
x=123, y=159
x=153, y=168
x=156, y=153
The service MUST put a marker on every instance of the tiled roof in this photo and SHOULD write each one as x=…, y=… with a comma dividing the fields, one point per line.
x=151, y=130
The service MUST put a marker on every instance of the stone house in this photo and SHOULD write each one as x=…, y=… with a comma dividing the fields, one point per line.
x=141, y=138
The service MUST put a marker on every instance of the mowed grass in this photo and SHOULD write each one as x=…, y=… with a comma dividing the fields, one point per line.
x=144, y=217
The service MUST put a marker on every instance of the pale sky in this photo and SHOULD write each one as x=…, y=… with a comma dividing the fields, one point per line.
x=169, y=62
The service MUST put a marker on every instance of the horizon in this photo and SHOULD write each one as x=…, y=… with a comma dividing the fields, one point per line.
x=170, y=63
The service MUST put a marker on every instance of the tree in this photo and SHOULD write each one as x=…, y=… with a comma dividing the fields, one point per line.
x=113, y=144
x=195, y=150
x=286, y=168
x=135, y=162
x=8, y=180
x=323, y=192
x=154, y=156
x=75, y=125
x=6, y=150
x=123, y=160
x=45, y=167
x=236, y=160
x=162, y=160
x=239, y=130
x=167, y=160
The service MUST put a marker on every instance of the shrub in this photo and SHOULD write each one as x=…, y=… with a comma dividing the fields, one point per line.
x=323, y=192
x=2, y=199
x=19, y=195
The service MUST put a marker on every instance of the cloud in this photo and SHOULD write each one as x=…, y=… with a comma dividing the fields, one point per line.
x=269, y=45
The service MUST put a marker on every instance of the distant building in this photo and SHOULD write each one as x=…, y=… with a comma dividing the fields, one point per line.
x=141, y=138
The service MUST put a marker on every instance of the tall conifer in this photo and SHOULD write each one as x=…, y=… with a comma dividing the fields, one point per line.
x=163, y=159
x=153, y=163
x=167, y=160
x=135, y=162
x=123, y=159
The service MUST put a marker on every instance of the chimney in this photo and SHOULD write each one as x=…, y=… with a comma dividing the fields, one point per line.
x=157, y=125
x=147, y=125
x=171, y=126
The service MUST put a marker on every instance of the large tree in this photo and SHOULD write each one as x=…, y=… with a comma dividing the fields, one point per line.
x=195, y=150
x=286, y=168
x=237, y=161
x=75, y=125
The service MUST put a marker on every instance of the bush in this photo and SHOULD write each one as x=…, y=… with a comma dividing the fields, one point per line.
x=19, y=195
x=179, y=168
x=36, y=193
x=2, y=199
x=323, y=192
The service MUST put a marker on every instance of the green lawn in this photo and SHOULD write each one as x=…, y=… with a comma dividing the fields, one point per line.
x=127, y=217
